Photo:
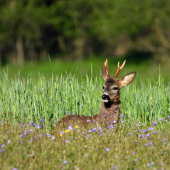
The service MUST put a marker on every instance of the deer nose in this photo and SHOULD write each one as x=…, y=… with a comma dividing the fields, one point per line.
x=105, y=97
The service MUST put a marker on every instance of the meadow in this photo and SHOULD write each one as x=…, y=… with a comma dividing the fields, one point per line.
x=31, y=106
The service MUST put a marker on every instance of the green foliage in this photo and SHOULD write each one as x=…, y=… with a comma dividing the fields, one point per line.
x=82, y=28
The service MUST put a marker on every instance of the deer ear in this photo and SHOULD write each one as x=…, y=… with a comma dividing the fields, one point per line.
x=126, y=80
x=104, y=73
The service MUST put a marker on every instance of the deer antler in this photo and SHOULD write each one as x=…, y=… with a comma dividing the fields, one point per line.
x=106, y=68
x=119, y=68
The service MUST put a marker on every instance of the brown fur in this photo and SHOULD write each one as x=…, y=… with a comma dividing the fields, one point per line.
x=110, y=111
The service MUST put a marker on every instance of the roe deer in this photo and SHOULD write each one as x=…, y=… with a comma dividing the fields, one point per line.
x=110, y=109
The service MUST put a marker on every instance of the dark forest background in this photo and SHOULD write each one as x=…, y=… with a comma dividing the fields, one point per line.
x=32, y=30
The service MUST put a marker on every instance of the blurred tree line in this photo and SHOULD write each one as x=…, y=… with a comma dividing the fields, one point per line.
x=32, y=29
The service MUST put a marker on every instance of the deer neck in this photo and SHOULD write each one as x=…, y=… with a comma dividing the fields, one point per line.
x=111, y=110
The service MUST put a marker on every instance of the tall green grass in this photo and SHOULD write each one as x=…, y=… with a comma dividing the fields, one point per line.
x=26, y=141
x=32, y=99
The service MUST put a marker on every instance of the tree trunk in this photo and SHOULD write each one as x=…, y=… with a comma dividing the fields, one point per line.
x=43, y=55
x=61, y=43
x=20, y=51
x=79, y=46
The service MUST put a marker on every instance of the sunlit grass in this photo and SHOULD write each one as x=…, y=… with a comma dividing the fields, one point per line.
x=29, y=138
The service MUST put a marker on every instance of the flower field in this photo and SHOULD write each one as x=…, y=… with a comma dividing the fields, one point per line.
x=30, y=109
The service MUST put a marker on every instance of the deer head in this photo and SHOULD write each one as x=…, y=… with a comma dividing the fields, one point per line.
x=112, y=86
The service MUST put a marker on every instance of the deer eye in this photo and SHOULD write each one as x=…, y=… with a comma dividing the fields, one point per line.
x=103, y=87
x=115, y=88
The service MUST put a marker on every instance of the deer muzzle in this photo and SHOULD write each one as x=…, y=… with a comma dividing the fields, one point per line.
x=105, y=98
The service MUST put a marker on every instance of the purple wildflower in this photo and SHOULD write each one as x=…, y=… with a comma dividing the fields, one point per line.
x=167, y=117
x=25, y=133
x=70, y=127
x=123, y=116
x=88, y=121
x=160, y=119
x=114, y=121
x=104, y=115
x=55, y=121
x=67, y=141
x=136, y=141
x=62, y=132
x=94, y=129
x=20, y=124
x=31, y=130
x=99, y=128
x=21, y=141
x=151, y=128
x=145, y=130
x=38, y=126
x=112, y=127
x=107, y=149
x=136, y=160
x=3, y=122
x=70, y=113
x=90, y=131
x=41, y=135
x=152, y=163
x=164, y=134
x=141, y=136
x=94, y=121
x=116, y=167
x=122, y=121
x=130, y=134
x=148, y=164
x=36, y=138
x=14, y=169
x=160, y=112
x=163, y=139
x=32, y=124
x=53, y=138
x=154, y=132
x=42, y=120
x=3, y=145
x=147, y=134
x=148, y=144
x=108, y=122
x=9, y=141
x=21, y=136
x=73, y=117
x=48, y=135
x=65, y=162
